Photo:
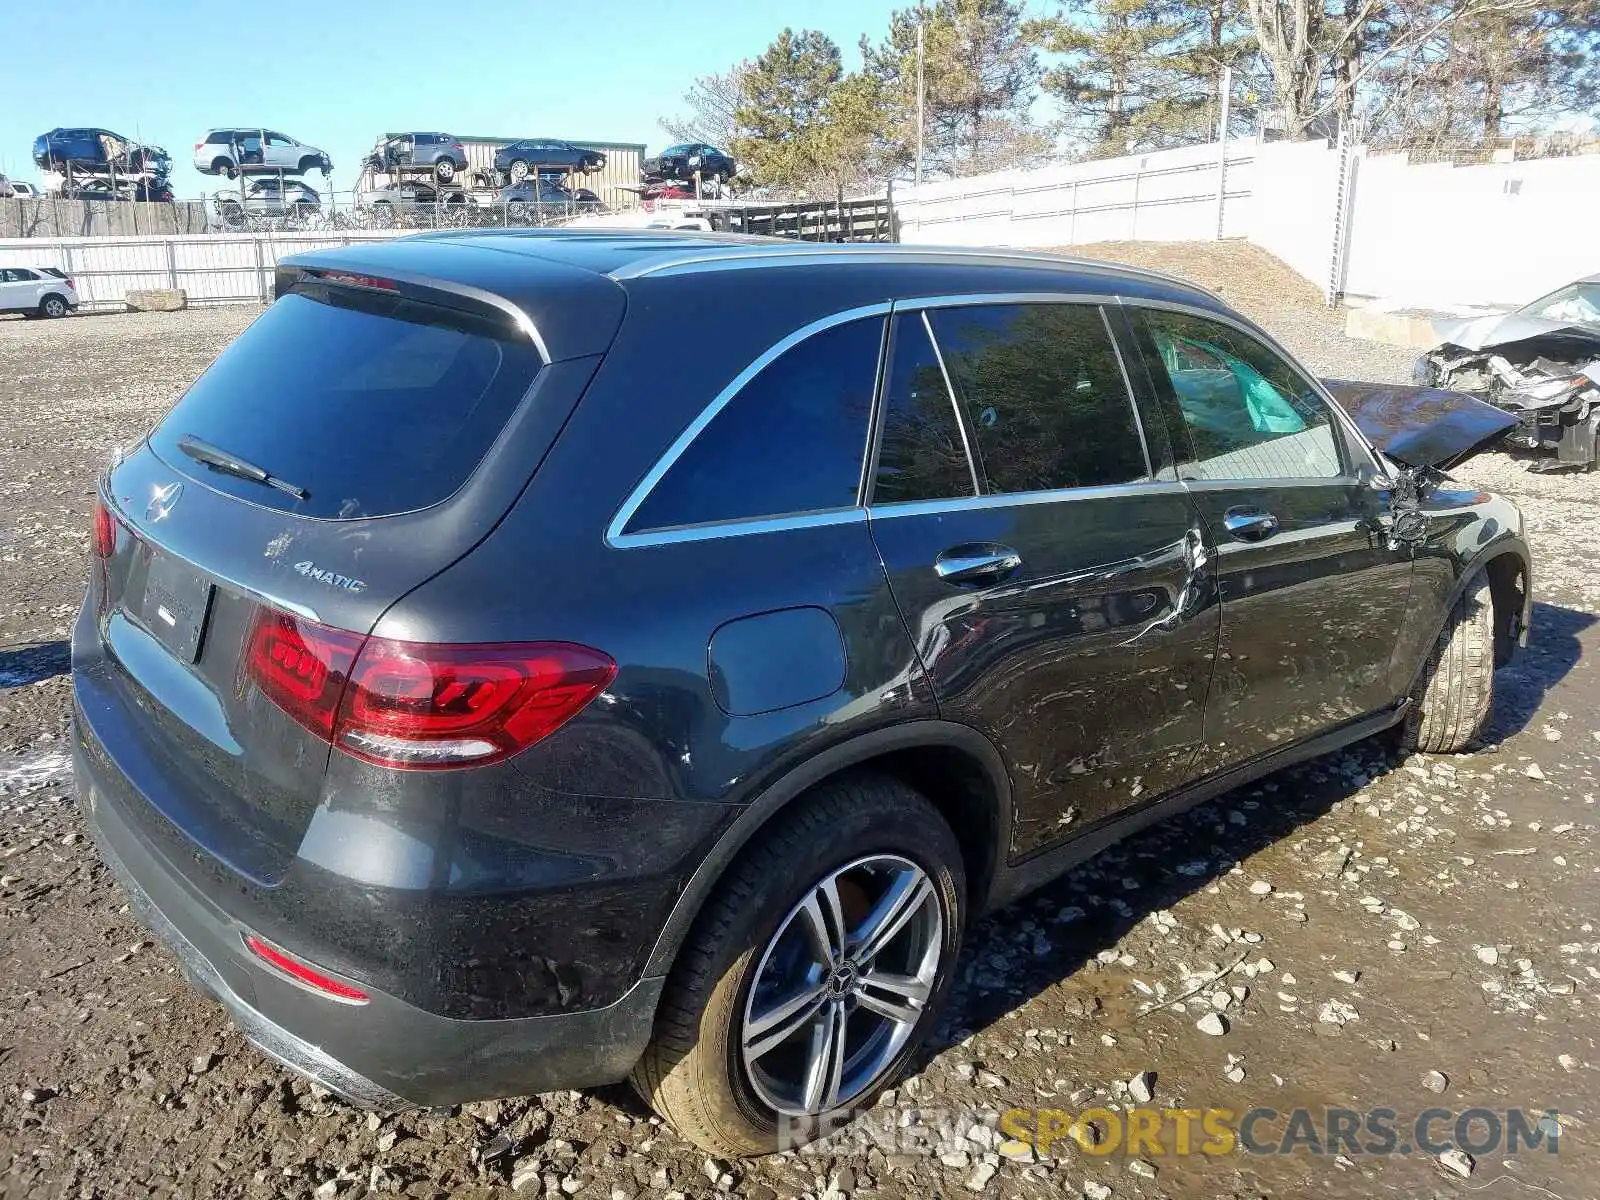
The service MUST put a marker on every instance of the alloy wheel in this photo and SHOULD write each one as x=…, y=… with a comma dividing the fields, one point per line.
x=842, y=985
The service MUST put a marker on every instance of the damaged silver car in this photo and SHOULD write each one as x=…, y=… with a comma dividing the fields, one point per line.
x=1541, y=362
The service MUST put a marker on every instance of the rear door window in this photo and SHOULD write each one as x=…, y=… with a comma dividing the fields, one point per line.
x=922, y=454
x=1043, y=395
x=372, y=403
x=790, y=441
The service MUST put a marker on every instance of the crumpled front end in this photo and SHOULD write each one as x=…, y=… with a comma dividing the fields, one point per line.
x=1551, y=383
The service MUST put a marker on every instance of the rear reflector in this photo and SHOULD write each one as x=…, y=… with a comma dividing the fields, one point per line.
x=105, y=530
x=416, y=705
x=303, y=972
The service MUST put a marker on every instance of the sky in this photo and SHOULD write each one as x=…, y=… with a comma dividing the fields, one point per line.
x=337, y=74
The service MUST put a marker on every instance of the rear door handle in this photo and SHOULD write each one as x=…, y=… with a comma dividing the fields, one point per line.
x=976, y=562
x=1250, y=524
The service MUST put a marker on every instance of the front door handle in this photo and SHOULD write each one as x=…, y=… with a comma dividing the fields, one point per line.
x=976, y=562
x=1250, y=524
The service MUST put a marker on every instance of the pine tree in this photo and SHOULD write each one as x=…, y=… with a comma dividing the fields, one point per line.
x=1141, y=74
x=980, y=75
x=783, y=101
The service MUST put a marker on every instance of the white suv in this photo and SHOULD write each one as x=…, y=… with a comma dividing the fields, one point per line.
x=37, y=291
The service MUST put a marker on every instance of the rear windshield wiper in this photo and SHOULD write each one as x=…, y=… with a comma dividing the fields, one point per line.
x=231, y=464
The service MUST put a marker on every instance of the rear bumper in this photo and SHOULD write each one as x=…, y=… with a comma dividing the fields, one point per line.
x=385, y=1054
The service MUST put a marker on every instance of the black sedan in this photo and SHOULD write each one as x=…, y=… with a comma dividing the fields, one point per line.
x=531, y=155
x=683, y=160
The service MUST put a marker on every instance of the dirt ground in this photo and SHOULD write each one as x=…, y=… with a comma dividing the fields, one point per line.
x=1357, y=925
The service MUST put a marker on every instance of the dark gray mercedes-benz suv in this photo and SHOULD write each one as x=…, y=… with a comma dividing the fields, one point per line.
x=477, y=709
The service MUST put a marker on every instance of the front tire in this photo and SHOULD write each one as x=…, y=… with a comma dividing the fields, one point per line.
x=1456, y=691
x=814, y=972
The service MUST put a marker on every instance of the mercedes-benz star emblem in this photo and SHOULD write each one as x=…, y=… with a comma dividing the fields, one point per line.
x=162, y=502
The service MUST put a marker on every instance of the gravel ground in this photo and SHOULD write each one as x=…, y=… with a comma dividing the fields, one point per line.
x=1357, y=925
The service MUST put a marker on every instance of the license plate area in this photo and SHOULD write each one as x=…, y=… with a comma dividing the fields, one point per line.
x=175, y=605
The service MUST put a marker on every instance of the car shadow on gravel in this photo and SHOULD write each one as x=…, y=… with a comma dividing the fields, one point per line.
x=1553, y=650
x=1042, y=941
x=23, y=663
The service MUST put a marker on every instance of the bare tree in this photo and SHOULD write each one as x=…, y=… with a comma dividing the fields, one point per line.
x=1305, y=42
x=711, y=102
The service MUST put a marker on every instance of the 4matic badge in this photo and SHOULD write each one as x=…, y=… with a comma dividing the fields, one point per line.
x=311, y=571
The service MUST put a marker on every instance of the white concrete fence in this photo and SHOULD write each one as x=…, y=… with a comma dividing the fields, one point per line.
x=213, y=268
x=1365, y=226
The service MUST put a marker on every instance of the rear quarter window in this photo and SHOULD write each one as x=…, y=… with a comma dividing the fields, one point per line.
x=790, y=441
x=372, y=403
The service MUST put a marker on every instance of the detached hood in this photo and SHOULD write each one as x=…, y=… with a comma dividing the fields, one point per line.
x=1483, y=333
x=1421, y=426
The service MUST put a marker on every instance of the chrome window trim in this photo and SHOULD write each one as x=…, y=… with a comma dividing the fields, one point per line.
x=714, y=530
x=955, y=405
x=869, y=460
x=1335, y=410
x=1066, y=495
x=615, y=536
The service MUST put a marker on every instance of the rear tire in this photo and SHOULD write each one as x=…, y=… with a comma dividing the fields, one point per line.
x=1456, y=691
x=444, y=170
x=853, y=836
x=53, y=307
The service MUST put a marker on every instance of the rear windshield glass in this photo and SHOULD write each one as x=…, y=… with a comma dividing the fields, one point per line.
x=371, y=403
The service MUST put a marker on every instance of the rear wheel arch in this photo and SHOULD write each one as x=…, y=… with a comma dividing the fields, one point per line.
x=953, y=766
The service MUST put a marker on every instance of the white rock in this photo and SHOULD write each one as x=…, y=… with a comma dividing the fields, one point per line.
x=1532, y=771
x=1288, y=979
x=1264, y=966
x=1337, y=1012
x=1141, y=1088
x=1436, y=1082
x=1568, y=1063
x=1349, y=977
x=1234, y=1074
x=1488, y=955
x=525, y=1176
x=980, y=1177
x=1212, y=1024
x=958, y=1159
x=1260, y=887
x=1139, y=1167
x=1095, y=1191
x=1220, y=1000
x=1458, y=1162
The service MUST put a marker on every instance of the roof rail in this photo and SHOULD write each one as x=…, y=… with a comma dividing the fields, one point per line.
x=800, y=253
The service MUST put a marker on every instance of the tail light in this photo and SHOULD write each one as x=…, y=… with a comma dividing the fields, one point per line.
x=417, y=705
x=105, y=525
x=71, y=284
x=198, y=146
